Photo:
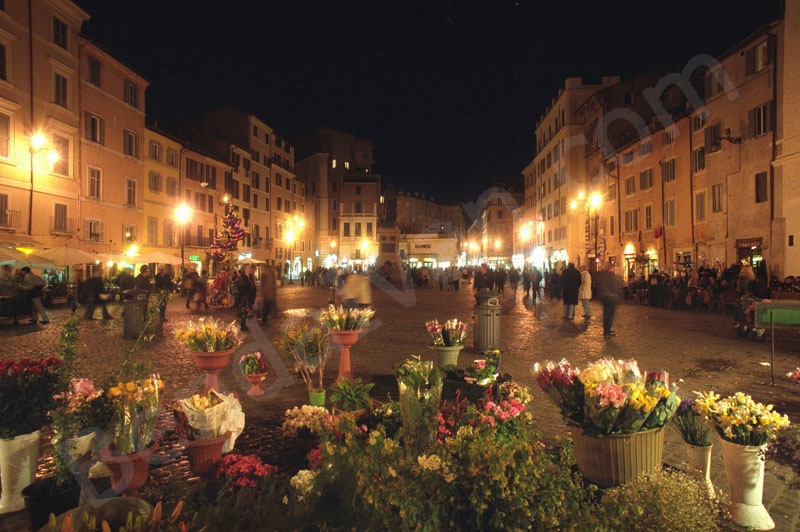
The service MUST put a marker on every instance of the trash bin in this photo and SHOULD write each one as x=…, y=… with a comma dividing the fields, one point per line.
x=486, y=333
x=135, y=313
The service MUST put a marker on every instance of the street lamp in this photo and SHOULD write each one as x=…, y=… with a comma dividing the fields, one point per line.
x=591, y=204
x=293, y=226
x=182, y=214
x=594, y=202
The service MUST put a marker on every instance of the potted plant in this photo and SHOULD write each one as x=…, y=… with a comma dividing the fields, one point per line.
x=345, y=326
x=745, y=428
x=203, y=435
x=480, y=372
x=420, y=385
x=136, y=408
x=308, y=346
x=254, y=367
x=696, y=435
x=447, y=340
x=451, y=371
x=211, y=343
x=27, y=387
x=352, y=396
x=306, y=423
x=620, y=414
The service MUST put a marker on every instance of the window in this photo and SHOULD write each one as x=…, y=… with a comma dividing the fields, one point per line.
x=346, y=230
x=131, y=93
x=699, y=121
x=646, y=179
x=630, y=185
x=761, y=187
x=130, y=143
x=287, y=206
x=5, y=136
x=172, y=186
x=130, y=192
x=61, y=147
x=246, y=193
x=60, y=218
x=357, y=207
x=611, y=193
x=358, y=190
x=716, y=198
x=668, y=137
x=128, y=233
x=631, y=221
x=645, y=148
x=278, y=204
x=278, y=180
x=3, y=63
x=172, y=157
x=627, y=157
x=95, y=128
x=152, y=230
x=155, y=150
x=334, y=186
x=612, y=224
x=648, y=216
x=668, y=171
x=700, y=206
x=347, y=165
x=757, y=58
x=715, y=82
x=59, y=90
x=713, y=137
x=333, y=163
x=358, y=229
x=699, y=159
x=555, y=154
x=211, y=177
x=94, y=230
x=761, y=120
x=369, y=228
x=288, y=183
x=256, y=180
x=669, y=213
x=335, y=224
x=94, y=182
x=154, y=182
x=60, y=33
x=94, y=72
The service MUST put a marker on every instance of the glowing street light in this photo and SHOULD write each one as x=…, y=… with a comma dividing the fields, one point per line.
x=182, y=215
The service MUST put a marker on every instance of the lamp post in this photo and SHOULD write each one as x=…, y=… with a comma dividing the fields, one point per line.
x=182, y=215
x=594, y=202
x=38, y=142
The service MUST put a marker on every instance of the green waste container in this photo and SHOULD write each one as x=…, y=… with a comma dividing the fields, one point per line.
x=135, y=313
x=486, y=333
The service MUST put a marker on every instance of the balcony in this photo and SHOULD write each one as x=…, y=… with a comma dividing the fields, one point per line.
x=197, y=241
x=10, y=219
x=63, y=226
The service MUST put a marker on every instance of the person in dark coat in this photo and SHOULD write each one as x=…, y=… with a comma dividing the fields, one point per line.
x=247, y=293
x=570, y=283
x=483, y=280
x=164, y=285
x=268, y=294
x=143, y=280
x=609, y=292
x=95, y=295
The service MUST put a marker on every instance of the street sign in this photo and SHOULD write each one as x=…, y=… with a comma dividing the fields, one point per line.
x=194, y=257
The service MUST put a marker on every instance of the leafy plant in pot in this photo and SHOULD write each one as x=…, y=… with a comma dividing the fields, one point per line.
x=352, y=395
x=308, y=346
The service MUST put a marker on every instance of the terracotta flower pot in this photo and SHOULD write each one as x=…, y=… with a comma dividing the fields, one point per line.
x=129, y=472
x=211, y=363
x=344, y=340
x=204, y=454
x=255, y=380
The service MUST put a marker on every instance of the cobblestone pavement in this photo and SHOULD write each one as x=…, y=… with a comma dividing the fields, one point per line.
x=699, y=349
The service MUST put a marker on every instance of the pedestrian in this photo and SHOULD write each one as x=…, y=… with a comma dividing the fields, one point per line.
x=536, y=283
x=33, y=285
x=570, y=284
x=483, y=281
x=247, y=293
x=268, y=294
x=142, y=283
x=585, y=292
x=500, y=280
x=95, y=294
x=513, y=280
x=164, y=286
x=526, y=282
x=7, y=283
x=190, y=281
x=609, y=291
x=746, y=281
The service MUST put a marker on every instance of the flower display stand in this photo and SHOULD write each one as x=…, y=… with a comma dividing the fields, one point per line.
x=18, y=462
x=255, y=380
x=699, y=464
x=617, y=458
x=744, y=467
x=344, y=340
x=204, y=454
x=211, y=363
x=129, y=472
x=446, y=355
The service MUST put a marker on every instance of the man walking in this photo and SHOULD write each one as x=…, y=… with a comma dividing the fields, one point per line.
x=570, y=283
x=95, y=295
x=164, y=285
x=609, y=291
x=585, y=292
x=33, y=285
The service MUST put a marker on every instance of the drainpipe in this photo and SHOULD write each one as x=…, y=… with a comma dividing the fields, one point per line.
x=30, y=71
x=772, y=43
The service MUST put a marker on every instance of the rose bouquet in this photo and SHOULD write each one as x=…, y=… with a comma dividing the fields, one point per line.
x=81, y=409
x=739, y=419
x=27, y=387
x=210, y=335
x=794, y=376
x=452, y=333
x=691, y=425
x=136, y=406
x=342, y=319
x=253, y=363
x=561, y=383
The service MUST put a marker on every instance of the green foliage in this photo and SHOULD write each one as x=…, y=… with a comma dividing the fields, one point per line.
x=351, y=395
x=420, y=386
x=670, y=500
x=308, y=346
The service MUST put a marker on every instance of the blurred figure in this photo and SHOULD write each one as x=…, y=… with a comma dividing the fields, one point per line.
x=7, y=282
x=190, y=283
x=268, y=293
x=585, y=292
x=94, y=289
x=33, y=285
x=247, y=293
x=163, y=282
x=357, y=291
x=609, y=291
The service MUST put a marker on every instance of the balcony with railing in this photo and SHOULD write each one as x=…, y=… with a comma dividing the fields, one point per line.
x=10, y=219
x=197, y=241
x=63, y=226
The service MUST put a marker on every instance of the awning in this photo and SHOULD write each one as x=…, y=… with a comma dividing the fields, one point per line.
x=15, y=239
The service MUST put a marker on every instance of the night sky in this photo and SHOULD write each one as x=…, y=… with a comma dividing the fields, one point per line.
x=449, y=91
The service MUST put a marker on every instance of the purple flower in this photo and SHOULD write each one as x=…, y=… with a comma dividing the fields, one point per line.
x=686, y=407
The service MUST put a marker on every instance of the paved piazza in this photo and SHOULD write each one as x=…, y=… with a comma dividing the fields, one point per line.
x=700, y=351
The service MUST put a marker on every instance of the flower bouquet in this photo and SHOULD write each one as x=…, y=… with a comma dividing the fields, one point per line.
x=794, y=376
x=561, y=383
x=27, y=387
x=308, y=346
x=253, y=364
x=480, y=372
x=512, y=391
x=82, y=409
x=306, y=421
x=739, y=419
x=136, y=405
x=453, y=333
x=342, y=319
x=240, y=471
x=210, y=335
